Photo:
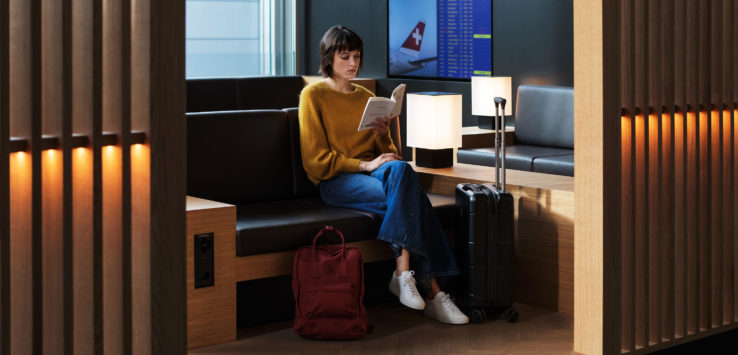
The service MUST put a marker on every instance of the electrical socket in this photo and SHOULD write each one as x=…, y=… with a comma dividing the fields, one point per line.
x=204, y=263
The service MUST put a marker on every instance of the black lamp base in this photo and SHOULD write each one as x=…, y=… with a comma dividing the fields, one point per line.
x=434, y=158
x=486, y=122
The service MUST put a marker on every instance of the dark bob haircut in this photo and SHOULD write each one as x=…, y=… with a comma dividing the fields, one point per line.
x=336, y=39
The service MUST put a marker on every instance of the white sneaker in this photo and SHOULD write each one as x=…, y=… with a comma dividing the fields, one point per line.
x=443, y=309
x=403, y=286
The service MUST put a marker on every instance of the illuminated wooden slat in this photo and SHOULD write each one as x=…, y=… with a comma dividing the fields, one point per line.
x=82, y=178
x=654, y=230
x=667, y=248
x=716, y=99
x=21, y=282
x=640, y=92
x=112, y=188
x=641, y=233
x=4, y=178
x=140, y=180
x=727, y=217
x=716, y=230
x=692, y=225
x=703, y=144
x=680, y=246
x=668, y=106
x=627, y=232
x=51, y=176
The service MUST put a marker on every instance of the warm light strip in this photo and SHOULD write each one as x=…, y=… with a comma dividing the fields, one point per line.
x=78, y=141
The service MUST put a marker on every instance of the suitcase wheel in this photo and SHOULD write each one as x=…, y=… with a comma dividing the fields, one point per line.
x=477, y=315
x=511, y=315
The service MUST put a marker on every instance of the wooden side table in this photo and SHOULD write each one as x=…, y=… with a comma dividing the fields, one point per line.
x=211, y=311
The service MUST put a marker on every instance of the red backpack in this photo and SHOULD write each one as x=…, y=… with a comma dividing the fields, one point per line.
x=328, y=285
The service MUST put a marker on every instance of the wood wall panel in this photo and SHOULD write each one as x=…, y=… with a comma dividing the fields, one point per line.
x=21, y=285
x=52, y=262
x=140, y=182
x=112, y=275
x=677, y=167
x=4, y=177
x=53, y=253
x=83, y=323
x=80, y=191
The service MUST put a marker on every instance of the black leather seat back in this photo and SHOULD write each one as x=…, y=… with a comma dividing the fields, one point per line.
x=211, y=95
x=239, y=157
x=253, y=93
x=545, y=116
x=272, y=92
x=303, y=187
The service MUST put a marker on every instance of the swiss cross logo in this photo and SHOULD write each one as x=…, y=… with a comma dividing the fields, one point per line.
x=415, y=38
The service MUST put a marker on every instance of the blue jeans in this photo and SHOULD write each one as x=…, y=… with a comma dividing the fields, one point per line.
x=408, y=220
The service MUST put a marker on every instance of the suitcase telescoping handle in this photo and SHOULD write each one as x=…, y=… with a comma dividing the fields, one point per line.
x=500, y=136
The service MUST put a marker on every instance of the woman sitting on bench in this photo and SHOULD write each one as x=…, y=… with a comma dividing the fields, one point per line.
x=361, y=170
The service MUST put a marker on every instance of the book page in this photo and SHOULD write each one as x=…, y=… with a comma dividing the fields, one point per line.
x=397, y=95
x=382, y=107
x=375, y=107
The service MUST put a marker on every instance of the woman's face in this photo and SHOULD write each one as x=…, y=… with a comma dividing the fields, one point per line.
x=346, y=64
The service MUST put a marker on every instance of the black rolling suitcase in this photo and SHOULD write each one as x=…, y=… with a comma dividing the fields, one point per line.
x=484, y=244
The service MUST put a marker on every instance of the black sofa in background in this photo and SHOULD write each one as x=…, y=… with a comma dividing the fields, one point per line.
x=544, y=133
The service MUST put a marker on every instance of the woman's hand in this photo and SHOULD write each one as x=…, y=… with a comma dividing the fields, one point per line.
x=370, y=166
x=381, y=125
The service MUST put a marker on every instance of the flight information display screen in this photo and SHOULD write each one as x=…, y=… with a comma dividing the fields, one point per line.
x=440, y=38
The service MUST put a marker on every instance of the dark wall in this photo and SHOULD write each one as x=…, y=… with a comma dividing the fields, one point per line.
x=368, y=18
x=533, y=43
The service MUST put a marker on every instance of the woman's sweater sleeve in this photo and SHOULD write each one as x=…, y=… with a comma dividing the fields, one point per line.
x=318, y=159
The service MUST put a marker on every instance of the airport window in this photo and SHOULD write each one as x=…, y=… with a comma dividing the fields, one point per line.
x=235, y=38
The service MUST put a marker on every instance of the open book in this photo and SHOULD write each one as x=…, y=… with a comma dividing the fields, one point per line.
x=382, y=107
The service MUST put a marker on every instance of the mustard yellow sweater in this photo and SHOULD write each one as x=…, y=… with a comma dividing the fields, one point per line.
x=329, y=138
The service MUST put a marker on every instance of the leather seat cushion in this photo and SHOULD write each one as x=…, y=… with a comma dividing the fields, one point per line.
x=517, y=157
x=557, y=165
x=287, y=225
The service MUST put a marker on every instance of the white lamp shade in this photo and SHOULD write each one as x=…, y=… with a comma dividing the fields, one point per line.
x=434, y=120
x=484, y=91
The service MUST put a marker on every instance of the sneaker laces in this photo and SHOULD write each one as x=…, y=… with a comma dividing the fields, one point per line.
x=448, y=303
x=410, y=282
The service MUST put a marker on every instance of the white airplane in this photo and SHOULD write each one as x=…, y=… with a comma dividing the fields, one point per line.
x=406, y=59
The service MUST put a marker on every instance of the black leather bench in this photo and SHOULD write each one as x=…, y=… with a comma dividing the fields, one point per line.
x=252, y=159
x=544, y=133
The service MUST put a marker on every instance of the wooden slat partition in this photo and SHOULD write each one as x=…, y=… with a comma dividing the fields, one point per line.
x=4, y=177
x=676, y=252
x=91, y=259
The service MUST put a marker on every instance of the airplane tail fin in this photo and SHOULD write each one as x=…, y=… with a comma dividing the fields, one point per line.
x=412, y=44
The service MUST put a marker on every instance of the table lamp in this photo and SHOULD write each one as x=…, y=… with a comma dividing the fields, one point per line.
x=434, y=127
x=484, y=90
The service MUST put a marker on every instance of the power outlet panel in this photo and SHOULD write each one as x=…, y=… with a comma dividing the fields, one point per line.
x=204, y=263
